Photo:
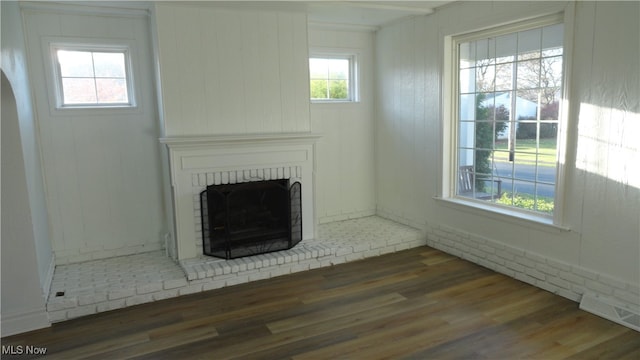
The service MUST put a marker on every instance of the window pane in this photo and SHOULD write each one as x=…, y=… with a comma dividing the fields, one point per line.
x=485, y=77
x=79, y=91
x=506, y=48
x=109, y=65
x=508, y=118
x=75, y=63
x=528, y=74
x=112, y=91
x=467, y=107
x=330, y=78
x=338, y=69
x=319, y=68
x=529, y=44
x=338, y=89
x=319, y=89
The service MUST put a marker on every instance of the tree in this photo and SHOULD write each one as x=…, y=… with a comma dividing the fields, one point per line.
x=490, y=121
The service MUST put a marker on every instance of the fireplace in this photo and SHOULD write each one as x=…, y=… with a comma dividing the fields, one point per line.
x=233, y=160
x=250, y=218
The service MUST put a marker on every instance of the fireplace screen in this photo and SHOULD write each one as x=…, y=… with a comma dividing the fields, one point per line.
x=250, y=218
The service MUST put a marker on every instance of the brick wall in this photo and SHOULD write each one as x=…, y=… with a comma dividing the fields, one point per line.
x=567, y=280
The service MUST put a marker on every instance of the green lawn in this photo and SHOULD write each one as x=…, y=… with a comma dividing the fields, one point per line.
x=526, y=151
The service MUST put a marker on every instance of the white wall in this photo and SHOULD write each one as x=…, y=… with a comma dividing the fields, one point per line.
x=345, y=179
x=102, y=167
x=232, y=71
x=27, y=260
x=602, y=194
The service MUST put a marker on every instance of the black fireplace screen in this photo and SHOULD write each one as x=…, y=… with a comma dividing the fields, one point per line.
x=250, y=218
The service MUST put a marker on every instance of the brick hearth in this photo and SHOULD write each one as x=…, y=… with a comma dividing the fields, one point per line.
x=97, y=286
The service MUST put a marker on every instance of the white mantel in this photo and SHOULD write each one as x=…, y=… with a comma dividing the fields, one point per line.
x=198, y=161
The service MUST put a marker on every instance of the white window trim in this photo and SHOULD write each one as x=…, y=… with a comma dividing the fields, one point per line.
x=447, y=191
x=54, y=81
x=354, y=84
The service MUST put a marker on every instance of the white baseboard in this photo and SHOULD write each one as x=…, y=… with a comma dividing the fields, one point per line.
x=27, y=320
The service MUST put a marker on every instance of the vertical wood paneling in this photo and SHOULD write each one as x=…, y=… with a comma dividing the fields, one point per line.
x=345, y=154
x=602, y=199
x=252, y=74
x=270, y=99
x=235, y=71
x=101, y=169
x=300, y=68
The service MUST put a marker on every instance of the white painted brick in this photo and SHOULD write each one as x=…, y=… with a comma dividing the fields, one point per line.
x=91, y=299
x=547, y=269
x=487, y=249
x=211, y=272
x=174, y=283
x=165, y=294
x=344, y=251
x=549, y=287
x=120, y=293
x=57, y=316
x=584, y=273
x=627, y=297
x=81, y=311
x=526, y=278
x=354, y=256
x=515, y=267
x=559, y=282
x=149, y=288
x=495, y=259
x=616, y=283
x=526, y=262
x=279, y=271
x=261, y=275
x=139, y=299
x=599, y=287
x=559, y=265
x=571, y=277
x=190, y=289
x=515, y=251
x=302, y=267
x=62, y=303
x=236, y=280
x=217, y=284
x=535, y=257
x=569, y=295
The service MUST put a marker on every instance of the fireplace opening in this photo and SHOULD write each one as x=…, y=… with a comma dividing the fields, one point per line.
x=250, y=218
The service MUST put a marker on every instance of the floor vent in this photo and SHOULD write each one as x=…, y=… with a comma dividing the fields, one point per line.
x=611, y=310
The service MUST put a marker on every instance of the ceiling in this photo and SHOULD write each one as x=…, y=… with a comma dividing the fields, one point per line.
x=371, y=14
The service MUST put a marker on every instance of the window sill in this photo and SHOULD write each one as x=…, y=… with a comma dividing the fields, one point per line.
x=503, y=214
x=329, y=102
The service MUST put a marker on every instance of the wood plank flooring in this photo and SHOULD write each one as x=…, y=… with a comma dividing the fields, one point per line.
x=415, y=304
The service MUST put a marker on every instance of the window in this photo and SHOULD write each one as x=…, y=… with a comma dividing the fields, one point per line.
x=92, y=76
x=508, y=84
x=332, y=78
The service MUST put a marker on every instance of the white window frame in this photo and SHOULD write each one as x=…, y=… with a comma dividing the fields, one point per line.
x=52, y=44
x=352, y=56
x=450, y=123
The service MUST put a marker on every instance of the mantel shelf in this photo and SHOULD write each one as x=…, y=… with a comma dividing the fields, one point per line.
x=189, y=141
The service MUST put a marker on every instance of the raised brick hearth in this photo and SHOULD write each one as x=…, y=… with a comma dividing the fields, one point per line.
x=96, y=286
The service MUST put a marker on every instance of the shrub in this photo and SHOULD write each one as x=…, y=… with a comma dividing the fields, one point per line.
x=527, y=201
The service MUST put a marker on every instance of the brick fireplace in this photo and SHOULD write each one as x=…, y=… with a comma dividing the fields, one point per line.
x=197, y=162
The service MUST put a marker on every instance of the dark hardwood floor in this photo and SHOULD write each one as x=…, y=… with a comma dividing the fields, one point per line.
x=415, y=304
